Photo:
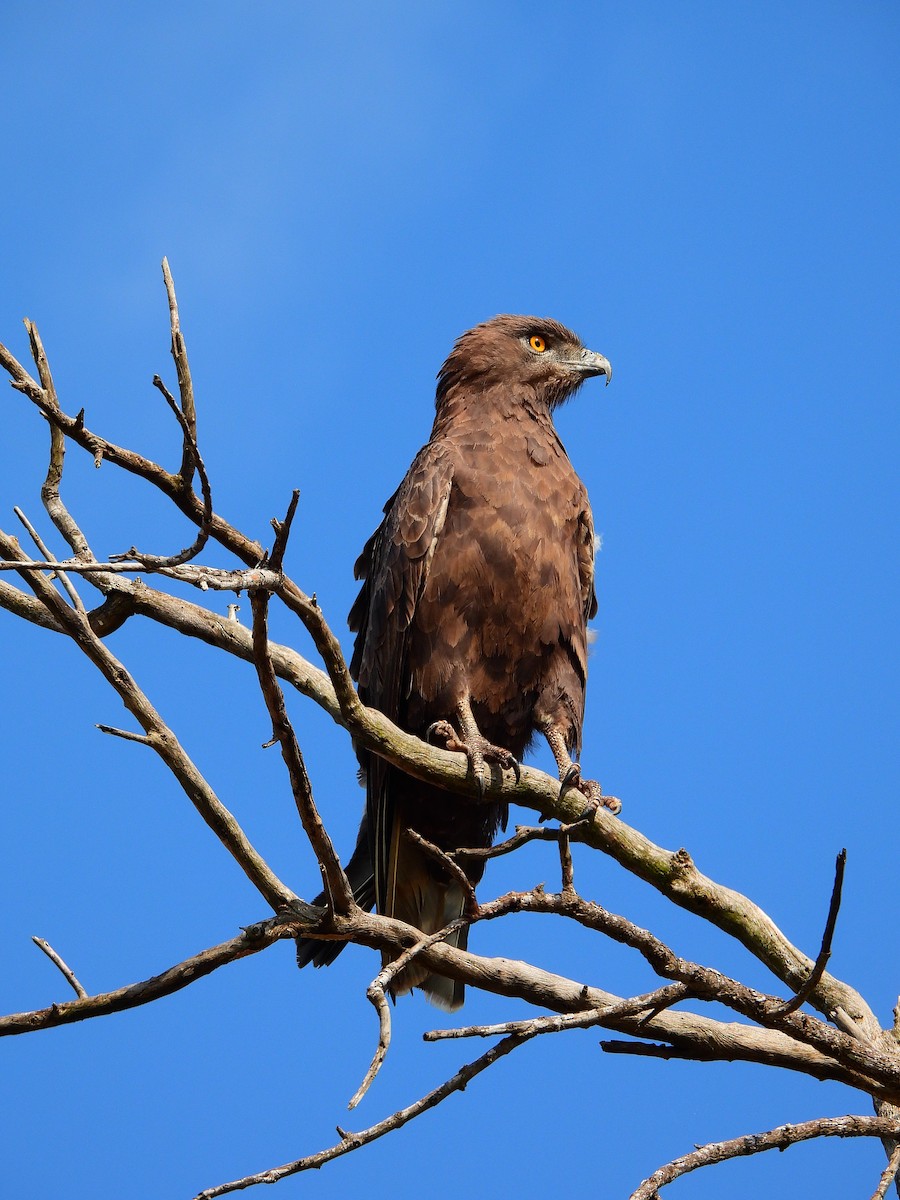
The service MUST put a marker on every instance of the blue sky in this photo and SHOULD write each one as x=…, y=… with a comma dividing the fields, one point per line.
x=708, y=193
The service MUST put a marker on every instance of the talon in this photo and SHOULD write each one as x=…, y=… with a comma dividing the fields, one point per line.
x=594, y=794
x=572, y=778
x=470, y=741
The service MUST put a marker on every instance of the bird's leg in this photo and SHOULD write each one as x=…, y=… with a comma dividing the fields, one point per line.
x=471, y=742
x=570, y=774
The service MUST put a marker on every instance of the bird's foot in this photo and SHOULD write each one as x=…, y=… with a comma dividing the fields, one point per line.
x=477, y=749
x=592, y=792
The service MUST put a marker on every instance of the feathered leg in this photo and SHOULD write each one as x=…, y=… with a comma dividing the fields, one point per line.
x=570, y=771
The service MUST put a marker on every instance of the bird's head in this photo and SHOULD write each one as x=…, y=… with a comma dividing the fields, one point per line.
x=535, y=354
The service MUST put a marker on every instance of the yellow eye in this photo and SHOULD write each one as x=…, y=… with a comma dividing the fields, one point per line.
x=537, y=343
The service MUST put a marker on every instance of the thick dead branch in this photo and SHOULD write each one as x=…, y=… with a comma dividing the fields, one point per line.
x=708, y=984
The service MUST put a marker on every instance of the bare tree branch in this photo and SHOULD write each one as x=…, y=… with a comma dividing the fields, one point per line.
x=825, y=952
x=889, y=1175
x=162, y=738
x=757, y=1143
x=336, y=883
x=250, y=941
x=66, y=970
x=650, y=1004
x=185, y=385
x=352, y=1141
x=63, y=576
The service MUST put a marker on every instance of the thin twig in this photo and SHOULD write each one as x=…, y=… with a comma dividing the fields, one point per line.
x=162, y=738
x=125, y=734
x=377, y=995
x=62, y=576
x=336, y=882
x=352, y=1141
x=523, y=835
x=283, y=532
x=100, y=449
x=157, y=562
x=67, y=971
x=52, y=499
x=888, y=1175
x=250, y=941
x=565, y=862
x=804, y=993
x=653, y=1002
x=185, y=385
x=452, y=868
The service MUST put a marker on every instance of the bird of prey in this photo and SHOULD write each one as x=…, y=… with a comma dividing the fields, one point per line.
x=471, y=624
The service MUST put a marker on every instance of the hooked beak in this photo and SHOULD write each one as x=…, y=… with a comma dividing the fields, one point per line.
x=590, y=363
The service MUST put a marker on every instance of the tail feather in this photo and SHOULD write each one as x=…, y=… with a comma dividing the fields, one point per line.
x=417, y=891
x=421, y=896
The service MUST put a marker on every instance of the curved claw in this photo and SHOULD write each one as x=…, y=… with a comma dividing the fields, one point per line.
x=572, y=778
x=596, y=799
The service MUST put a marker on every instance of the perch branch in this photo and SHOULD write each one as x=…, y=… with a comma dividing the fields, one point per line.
x=673, y=874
